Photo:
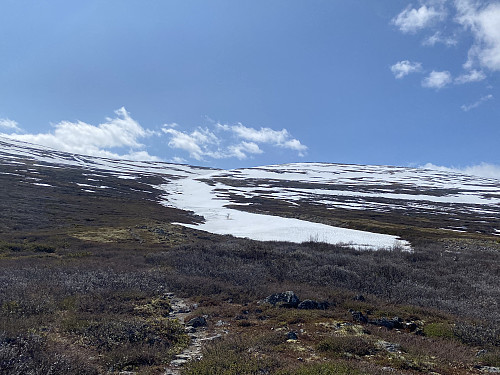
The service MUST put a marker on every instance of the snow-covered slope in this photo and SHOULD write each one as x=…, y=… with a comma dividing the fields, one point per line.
x=234, y=202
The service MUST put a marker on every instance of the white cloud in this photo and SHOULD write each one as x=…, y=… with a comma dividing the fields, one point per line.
x=82, y=138
x=410, y=20
x=437, y=37
x=405, y=67
x=178, y=160
x=476, y=104
x=240, y=150
x=204, y=143
x=437, y=80
x=10, y=125
x=472, y=76
x=280, y=138
x=481, y=170
x=196, y=143
x=484, y=23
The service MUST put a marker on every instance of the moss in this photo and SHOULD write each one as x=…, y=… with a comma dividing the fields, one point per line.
x=439, y=330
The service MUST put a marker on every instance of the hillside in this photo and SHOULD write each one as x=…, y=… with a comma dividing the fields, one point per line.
x=95, y=252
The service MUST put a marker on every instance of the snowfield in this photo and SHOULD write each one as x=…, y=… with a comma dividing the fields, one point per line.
x=197, y=196
x=208, y=192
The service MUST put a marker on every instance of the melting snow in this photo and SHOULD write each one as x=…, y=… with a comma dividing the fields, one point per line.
x=194, y=195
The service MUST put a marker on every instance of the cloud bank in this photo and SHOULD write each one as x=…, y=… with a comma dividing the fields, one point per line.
x=243, y=141
x=122, y=132
x=79, y=137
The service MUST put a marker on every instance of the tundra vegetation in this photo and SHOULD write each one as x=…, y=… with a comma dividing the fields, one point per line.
x=85, y=279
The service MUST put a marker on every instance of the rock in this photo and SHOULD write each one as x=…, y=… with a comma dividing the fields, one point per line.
x=199, y=321
x=178, y=362
x=190, y=329
x=389, y=347
x=359, y=297
x=286, y=299
x=411, y=326
x=309, y=304
x=388, y=323
x=481, y=352
x=358, y=316
x=490, y=369
x=292, y=336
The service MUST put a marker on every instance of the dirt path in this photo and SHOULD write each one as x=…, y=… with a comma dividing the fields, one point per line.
x=199, y=336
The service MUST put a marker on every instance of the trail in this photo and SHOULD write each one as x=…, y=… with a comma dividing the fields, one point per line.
x=182, y=308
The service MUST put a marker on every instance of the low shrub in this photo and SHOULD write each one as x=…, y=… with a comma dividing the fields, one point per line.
x=30, y=354
x=336, y=345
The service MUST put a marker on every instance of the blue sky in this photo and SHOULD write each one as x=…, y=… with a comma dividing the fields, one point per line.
x=243, y=83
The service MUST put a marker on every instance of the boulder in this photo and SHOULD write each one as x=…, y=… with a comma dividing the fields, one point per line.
x=310, y=304
x=199, y=321
x=358, y=316
x=291, y=336
x=286, y=299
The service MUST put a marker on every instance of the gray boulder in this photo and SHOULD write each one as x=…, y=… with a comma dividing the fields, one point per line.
x=199, y=321
x=286, y=299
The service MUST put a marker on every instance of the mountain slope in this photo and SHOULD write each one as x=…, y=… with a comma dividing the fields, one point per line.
x=365, y=206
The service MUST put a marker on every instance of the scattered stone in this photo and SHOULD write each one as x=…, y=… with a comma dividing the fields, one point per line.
x=309, y=304
x=199, y=321
x=190, y=329
x=292, y=336
x=490, y=370
x=359, y=297
x=178, y=362
x=286, y=299
x=389, y=347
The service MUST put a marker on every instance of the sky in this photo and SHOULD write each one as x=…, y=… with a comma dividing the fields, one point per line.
x=231, y=84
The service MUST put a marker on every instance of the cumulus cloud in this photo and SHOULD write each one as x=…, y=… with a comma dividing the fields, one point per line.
x=204, y=143
x=9, y=125
x=481, y=170
x=411, y=20
x=438, y=38
x=79, y=137
x=484, y=23
x=405, y=67
x=472, y=76
x=467, y=108
x=437, y=80
x=280, y=138
x=196, y=143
